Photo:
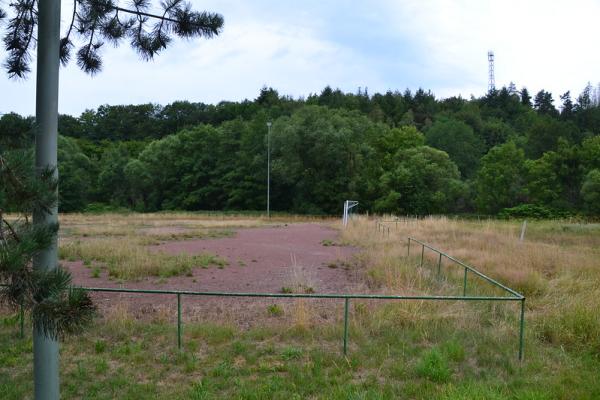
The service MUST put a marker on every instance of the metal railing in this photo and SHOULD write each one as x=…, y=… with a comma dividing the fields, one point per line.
x=514, y=296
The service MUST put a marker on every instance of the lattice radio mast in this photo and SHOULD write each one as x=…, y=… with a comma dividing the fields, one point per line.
x=492, y=80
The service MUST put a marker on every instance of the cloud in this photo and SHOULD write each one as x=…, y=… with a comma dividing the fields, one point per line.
x=298, y=48
x=538, y=43
x=289, y=53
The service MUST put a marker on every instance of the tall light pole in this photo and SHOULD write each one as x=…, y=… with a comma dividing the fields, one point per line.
x=269, y=169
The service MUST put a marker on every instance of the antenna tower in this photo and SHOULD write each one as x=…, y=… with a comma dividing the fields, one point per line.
x=492, y=80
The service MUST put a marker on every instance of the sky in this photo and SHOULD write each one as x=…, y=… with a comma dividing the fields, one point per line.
x=300, y=47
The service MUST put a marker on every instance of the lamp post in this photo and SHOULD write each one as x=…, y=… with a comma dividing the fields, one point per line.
x=269, y=169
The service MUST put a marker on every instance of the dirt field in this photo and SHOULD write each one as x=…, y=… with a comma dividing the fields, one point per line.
x=301, y=257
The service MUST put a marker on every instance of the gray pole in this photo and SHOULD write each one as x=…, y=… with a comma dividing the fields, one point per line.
x=269, y=169
x=45, y=350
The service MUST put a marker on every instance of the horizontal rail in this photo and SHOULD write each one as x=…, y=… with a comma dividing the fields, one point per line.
x=471, y=269
x=302, y=295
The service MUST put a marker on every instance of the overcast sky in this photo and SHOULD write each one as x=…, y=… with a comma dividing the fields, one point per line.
x=300, y=47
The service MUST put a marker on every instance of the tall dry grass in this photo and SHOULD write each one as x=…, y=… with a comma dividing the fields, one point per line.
x=557, y=267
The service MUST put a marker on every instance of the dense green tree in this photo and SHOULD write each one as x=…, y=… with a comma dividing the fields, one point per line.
x=233, y=175
x=76, y=173
x=495, y=132
x=590, y=153
x=319, y=156
x=501, y=180
x=111, y=186
x=422, y=181
x=16, y=130
x=458, y=140
x=545, y=134
x=555, y=178
x=590, y=192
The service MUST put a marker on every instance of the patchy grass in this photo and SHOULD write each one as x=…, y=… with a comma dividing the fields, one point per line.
x=130, y=260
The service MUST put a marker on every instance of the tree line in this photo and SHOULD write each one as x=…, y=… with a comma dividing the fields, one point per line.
x=401, y=152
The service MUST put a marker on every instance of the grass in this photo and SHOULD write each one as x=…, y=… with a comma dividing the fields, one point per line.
x=131, y=260
x=120, y=357
x=397, y=350
x=275, y=310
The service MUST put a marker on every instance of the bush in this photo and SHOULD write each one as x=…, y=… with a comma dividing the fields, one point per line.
x=532, y=211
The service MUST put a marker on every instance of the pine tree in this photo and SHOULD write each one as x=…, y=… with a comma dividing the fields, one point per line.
x=55, y=307
x=543, y=103
x=525, y=97
x=93, y=23
x=566, y=111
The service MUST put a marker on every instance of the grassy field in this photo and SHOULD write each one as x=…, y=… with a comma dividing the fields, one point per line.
x=412, y=350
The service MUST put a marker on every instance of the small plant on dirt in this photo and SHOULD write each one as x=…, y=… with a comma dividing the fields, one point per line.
x=291, y=353
x=434, y=366
x=96, y=272
x=287, y=289
x=308, y=289
x=327, y=242
x=332, y=265
x=275, y=310
x=99, y=346
x=241, y=263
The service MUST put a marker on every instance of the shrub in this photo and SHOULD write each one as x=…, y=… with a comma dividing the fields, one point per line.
x=532, y=211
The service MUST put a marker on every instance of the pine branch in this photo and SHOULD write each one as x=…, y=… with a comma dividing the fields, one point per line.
x=92, y=19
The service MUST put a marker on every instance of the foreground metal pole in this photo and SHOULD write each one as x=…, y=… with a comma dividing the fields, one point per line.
x=439, y=266
x=522, y=330
x=179, y=321
x=346, y=301
x=269, y=169
x=408, y=249
x=422, y=253
x=45, y=350
x=465, y=283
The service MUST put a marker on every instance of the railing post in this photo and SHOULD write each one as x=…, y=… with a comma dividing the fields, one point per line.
x=21, y=321
x=422, y=253
x=346, y=303
x=522, y=329
x=465, y=283
x=439, y=266
x=179, y=321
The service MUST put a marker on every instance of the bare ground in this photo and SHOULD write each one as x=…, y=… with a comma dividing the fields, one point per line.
x=261, y=260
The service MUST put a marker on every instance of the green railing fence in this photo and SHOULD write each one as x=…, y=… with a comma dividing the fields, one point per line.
x=514, y=295
x=179, y=294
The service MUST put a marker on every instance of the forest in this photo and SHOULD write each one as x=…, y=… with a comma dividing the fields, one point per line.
x=508, y=153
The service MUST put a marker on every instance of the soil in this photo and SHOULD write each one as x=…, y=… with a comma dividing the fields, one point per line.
x=260, y=260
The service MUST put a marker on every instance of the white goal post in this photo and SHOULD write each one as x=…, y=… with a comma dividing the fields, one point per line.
x=348, y=205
